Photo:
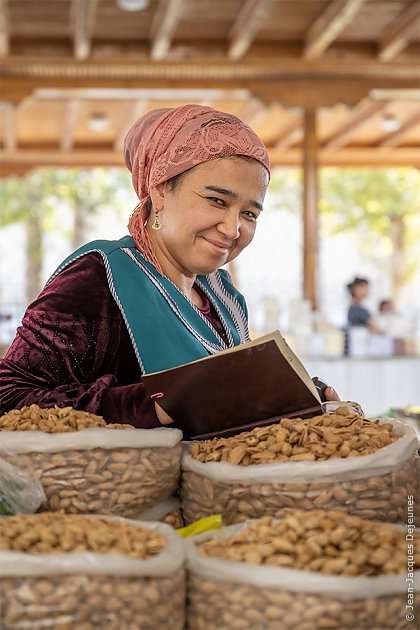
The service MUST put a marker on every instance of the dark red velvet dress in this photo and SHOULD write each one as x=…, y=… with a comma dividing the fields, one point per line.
x=73, y=349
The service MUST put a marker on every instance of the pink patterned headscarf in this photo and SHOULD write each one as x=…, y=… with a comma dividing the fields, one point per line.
x=167, y=142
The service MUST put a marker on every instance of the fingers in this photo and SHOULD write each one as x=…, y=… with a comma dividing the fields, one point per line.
x=331, y=394
x=162, y=415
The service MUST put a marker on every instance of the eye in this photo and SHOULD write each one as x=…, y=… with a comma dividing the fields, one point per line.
x=217, y=201
x=251, y=215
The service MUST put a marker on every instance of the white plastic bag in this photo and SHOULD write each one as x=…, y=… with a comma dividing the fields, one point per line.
x=228, y=595
x=89, y=590
x=372, y=486
x=100, y=471
x=20, y=491
x=167, y=511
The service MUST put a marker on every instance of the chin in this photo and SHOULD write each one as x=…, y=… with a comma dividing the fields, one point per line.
x=205, y=270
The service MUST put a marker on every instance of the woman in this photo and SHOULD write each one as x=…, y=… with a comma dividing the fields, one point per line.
x=155, y=299
x=357, y=314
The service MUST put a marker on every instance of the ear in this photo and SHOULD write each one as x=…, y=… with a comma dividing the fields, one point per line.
x=157, y=196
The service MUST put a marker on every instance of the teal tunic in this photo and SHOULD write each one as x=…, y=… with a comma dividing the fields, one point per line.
x=165, y=327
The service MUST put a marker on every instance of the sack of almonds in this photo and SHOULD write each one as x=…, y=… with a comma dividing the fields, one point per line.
x=337, y=461
x=87, y=466
x=71, y=571
x=167, y=511
x=311, y=570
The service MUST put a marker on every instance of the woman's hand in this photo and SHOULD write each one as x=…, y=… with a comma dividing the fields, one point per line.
x=331, y=394
x=162, y=415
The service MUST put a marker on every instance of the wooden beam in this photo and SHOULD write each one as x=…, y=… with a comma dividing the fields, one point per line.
x=165, y=23
x=410, y=94
x=4, y=28
x=394, y=139
x=246, y=25
x=71, y=114
x=396, y=38
x=347, y=157
x=360, y=114
x=310, y=209
x=9, y=126
x=84, y=14
x=338, y=14
x=366, y=157
x=272, y=69
x=133, y=112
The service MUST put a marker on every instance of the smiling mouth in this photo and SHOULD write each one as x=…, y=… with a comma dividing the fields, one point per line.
x=221, y=247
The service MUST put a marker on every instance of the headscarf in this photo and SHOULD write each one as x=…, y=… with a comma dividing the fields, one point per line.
x=169, y=141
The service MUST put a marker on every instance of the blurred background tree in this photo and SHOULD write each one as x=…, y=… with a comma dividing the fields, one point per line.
x=33, y=200
x=381, y=206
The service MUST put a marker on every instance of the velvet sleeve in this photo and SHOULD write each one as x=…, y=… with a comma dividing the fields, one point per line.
x=72, y=350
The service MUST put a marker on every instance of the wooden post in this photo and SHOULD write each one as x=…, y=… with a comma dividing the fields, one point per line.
x=310, y=209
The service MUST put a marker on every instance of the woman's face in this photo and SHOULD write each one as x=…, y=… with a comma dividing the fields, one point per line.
x=211, y=215
x=361, y=291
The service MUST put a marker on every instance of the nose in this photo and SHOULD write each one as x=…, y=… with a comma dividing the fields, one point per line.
x=230, y=225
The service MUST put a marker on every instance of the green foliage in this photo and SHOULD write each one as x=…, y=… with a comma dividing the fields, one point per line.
x=372, y=198
x=34, y=201
x=286, y=188
x=381, y=206
x=43, y=190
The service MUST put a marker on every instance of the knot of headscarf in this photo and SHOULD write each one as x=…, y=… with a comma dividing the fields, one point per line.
x=166, y=142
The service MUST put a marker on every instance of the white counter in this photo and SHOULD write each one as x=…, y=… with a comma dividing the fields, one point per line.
x=377, y=384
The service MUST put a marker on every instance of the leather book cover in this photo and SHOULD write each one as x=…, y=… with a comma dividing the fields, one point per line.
x=253, y=384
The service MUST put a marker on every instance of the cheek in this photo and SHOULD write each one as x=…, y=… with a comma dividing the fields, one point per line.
x=247, y=233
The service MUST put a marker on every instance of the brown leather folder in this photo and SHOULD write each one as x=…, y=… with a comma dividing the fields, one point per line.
x=254, y=384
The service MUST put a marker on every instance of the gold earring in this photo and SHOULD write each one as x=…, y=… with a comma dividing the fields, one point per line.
x=157, y=225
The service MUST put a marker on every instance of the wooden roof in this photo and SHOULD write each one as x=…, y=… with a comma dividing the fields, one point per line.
x=66, y=62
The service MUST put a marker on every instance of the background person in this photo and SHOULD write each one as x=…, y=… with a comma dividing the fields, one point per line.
x=357, y=314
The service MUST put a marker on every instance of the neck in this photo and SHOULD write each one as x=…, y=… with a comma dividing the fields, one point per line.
x=172, y=270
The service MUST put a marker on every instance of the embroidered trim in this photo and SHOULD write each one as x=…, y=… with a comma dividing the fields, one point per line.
x=231, y=304
x=208, y=345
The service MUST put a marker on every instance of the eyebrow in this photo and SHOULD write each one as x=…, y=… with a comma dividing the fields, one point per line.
x=233, y=195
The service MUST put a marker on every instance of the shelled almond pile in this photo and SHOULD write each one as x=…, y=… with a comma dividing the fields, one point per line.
x=99, y=472
x=53, y=420
x=341, y=434
x=328, y=541
x=58, y=533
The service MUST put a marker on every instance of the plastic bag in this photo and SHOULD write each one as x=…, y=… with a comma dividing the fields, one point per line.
x=201, y=526
x=227, y=595
x=100, y=471
x=371, y=486
x=89, y=590
x=167, y=511
x=20, y=490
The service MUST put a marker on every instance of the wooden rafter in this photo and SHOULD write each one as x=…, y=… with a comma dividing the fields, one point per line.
x=4, y=28
x=394, y=139
x=292, y=134
x=252, y=110
x=246, y=26
x=396, y=38
x=134, y=110
x=164, y=25
x=338, y=14
x=71, y=114
x=9, y=127
x=361, y=113
x=84, y=13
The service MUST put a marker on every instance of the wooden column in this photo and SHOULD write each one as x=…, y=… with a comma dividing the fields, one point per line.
x=310, y=209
